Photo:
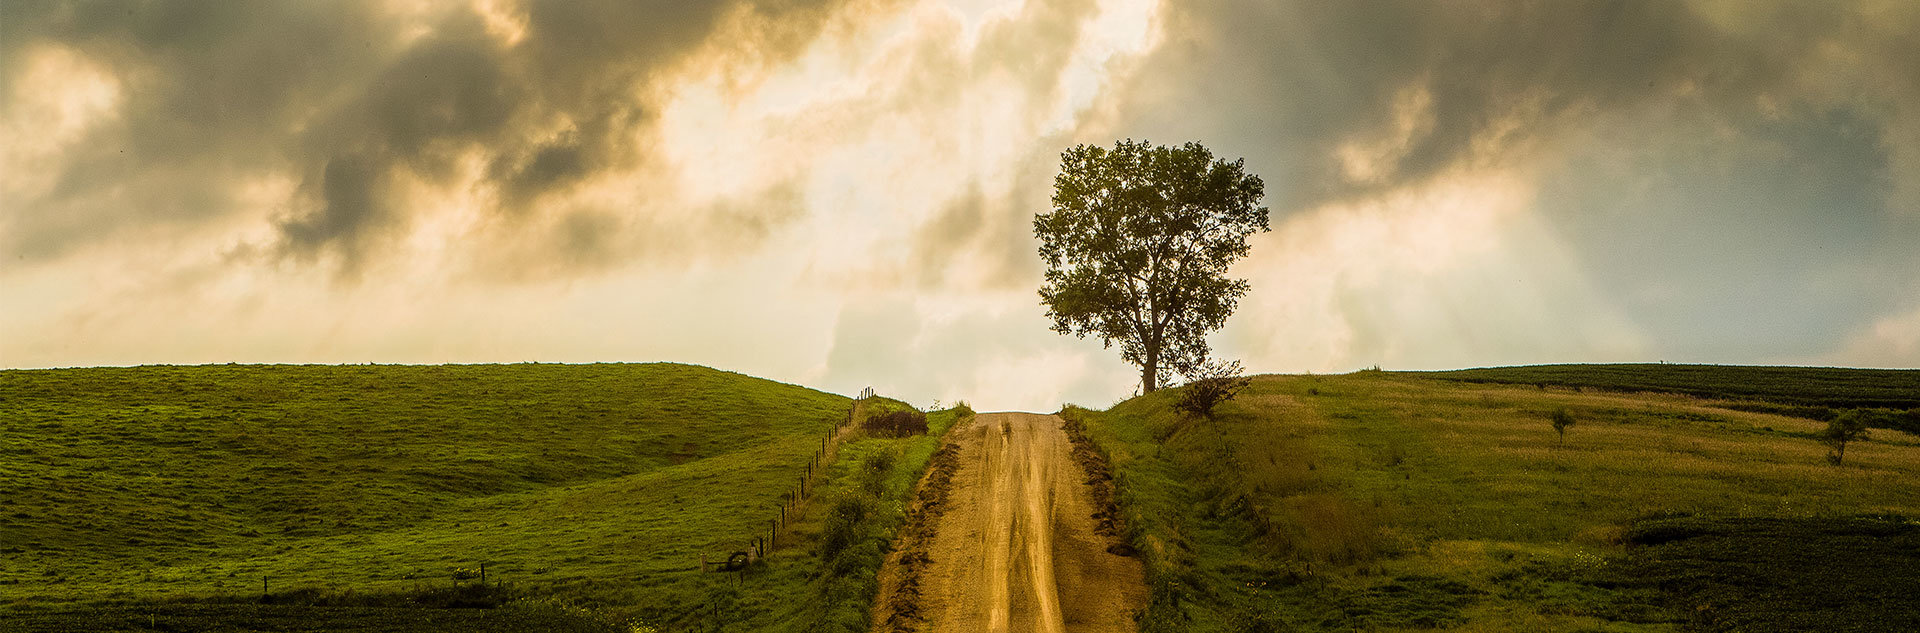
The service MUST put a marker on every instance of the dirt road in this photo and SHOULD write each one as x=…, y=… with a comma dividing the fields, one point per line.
x=1016, y=548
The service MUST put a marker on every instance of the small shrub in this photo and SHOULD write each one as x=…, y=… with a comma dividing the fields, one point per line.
x=896, y=424
x=1213, y=383
x=879, y=462
x=873, y=473
x=846, y=525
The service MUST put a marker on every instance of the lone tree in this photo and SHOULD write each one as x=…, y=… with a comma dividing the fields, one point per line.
x=1846, y=427
x=1137, y=248
x=1561, y=420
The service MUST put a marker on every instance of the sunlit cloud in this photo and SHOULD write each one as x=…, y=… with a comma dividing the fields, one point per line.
x=57, y=96
x=1454, y=271
x=1891, y=341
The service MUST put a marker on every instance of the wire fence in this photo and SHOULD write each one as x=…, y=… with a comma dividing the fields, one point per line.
x=792, y=502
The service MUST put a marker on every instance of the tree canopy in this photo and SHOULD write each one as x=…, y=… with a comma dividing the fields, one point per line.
x=1137, y=247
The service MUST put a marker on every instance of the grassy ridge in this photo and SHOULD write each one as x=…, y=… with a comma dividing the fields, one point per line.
x=1801, y=386
x=1380, y=501
x=602, y=483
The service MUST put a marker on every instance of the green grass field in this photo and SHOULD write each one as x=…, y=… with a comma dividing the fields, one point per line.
x=368, y=486
x=1399, y=502
x=158, y=498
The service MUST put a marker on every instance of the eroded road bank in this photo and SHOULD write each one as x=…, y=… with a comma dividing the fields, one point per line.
x=1015, y=547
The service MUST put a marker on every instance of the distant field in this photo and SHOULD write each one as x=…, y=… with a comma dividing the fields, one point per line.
x=1388, y=501
x=601, y=484
x=1802, y=386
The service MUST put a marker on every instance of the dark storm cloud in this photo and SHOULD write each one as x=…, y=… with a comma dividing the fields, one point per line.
x=209, y=90
x=1776, y=230
x=350, y=190
x=346, y=95
x=1291, y=82
x=1730, y=175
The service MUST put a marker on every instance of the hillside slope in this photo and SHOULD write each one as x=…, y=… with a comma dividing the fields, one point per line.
x=1385, y=501
x=150, y=482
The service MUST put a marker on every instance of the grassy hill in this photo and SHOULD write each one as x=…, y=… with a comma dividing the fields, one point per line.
x=158, y=498
x=598, y=485
x=1400, y=502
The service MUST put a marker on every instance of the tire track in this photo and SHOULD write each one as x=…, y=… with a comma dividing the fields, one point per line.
x=1018, y=547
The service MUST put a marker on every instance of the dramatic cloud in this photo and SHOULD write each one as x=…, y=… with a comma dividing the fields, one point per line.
x=1715, y=182
x=349, y=99
x=840, y=192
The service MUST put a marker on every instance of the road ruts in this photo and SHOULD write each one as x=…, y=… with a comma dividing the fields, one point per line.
x=1016, y=550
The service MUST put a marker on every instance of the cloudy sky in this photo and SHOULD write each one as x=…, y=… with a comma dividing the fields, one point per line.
x=840, y=192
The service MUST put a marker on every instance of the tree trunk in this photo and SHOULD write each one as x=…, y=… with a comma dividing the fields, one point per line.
x=1150, y=371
